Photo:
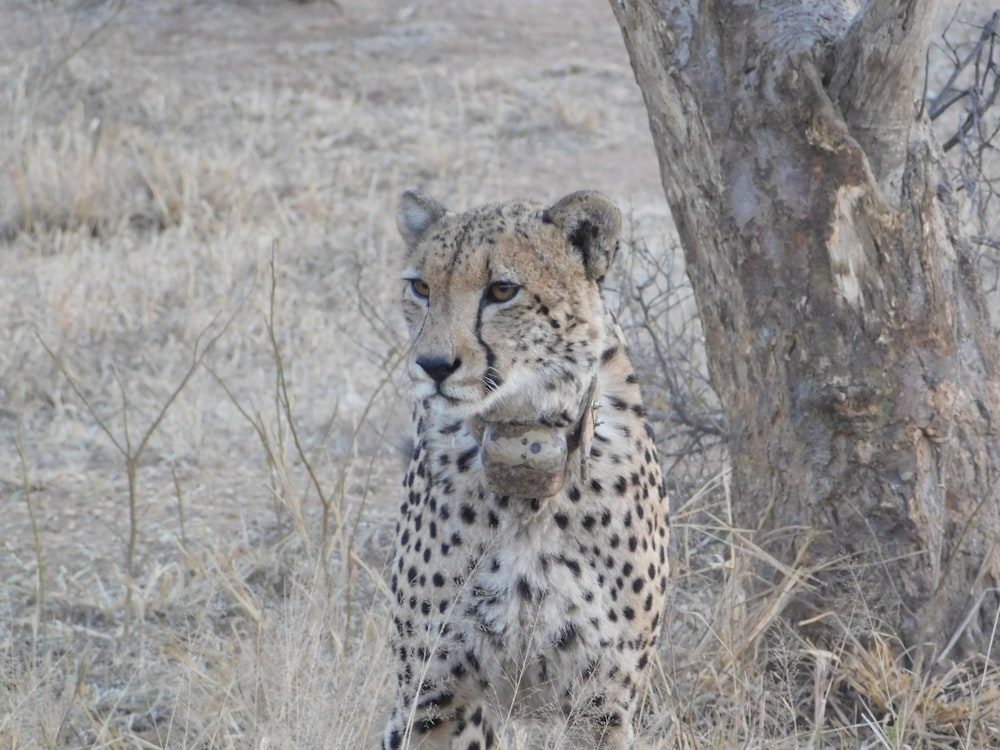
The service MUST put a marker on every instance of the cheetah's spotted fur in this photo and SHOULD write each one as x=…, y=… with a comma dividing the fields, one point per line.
x=512, y=606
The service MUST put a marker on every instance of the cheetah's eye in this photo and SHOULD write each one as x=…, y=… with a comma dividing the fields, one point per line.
x=502, y=291
x=420, y=288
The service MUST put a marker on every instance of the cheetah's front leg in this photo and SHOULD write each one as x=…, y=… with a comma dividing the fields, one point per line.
x=470, y=728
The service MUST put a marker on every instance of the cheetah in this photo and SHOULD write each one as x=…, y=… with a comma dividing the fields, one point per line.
x=531, y=552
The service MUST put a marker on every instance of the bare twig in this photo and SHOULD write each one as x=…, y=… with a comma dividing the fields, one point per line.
x=67, y=55
x=982, y=92
x=179, y=494
x=285, y=403
x=660, y=319
x=38, y=622
x=971, y=94
x=133, y=453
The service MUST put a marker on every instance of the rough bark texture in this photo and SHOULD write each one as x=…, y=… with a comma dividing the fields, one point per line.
x=843, y=315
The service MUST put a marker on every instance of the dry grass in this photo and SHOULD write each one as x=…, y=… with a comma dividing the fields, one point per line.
x=201, y=403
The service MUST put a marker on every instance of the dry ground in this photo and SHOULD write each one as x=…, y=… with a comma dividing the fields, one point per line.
x=202, y=419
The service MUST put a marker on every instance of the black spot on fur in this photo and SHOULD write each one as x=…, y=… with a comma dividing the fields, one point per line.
x=464, y=459
x=524, y=589
x=567, y=637
x=470, y=656
x=610, y=720
x=617, y=403
x=572, y=565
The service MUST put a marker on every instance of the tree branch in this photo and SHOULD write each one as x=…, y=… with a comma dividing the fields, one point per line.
x=879, y=65
x=984, y=60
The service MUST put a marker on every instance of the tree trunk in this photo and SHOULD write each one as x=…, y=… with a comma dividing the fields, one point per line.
x=845, y=325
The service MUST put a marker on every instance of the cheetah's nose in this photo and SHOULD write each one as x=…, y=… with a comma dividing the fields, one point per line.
x=438, y=368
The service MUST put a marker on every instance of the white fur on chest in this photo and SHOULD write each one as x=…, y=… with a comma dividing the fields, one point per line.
x=523, y=588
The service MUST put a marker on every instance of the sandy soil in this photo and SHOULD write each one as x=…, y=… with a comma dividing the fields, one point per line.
x=298, y=124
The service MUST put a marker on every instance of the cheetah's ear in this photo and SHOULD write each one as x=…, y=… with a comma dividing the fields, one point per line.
x=416, y=214
x=591, y=223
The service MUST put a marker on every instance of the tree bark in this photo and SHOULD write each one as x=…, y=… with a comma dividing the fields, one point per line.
x=845, y=325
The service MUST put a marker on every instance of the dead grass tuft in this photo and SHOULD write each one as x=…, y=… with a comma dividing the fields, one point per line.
x=105, y=179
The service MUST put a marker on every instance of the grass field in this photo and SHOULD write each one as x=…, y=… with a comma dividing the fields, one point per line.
x=203, y=417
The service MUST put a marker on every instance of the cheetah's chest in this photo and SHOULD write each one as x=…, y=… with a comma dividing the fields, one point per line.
x=535, y=588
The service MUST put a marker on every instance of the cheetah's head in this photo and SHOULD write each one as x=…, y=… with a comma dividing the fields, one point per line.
x=503, y=304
